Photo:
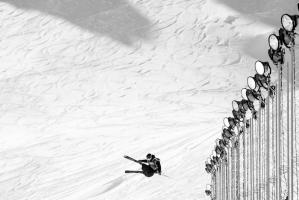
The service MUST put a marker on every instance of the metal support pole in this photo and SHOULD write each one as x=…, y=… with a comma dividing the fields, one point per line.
x=227, y=176
x=268, y=149
x=228, y=173
x=273, y=140
x=256, y=152
x=238, y=197
x=214, y=185
x=264, y=153
x=223, y=181
x=220, y=181
x=259, y=168
x=219, y=184
x=216, y=188
x=291, y=134
x=244, y=161
x=249, y=163
x=249, y=196
x=233, y=171
x=288, y=126
x=252, y=160
x=278, y=136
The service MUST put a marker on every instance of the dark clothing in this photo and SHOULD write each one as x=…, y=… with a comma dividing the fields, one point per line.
x=147, y=170
x=154, y=164
x=149, y=167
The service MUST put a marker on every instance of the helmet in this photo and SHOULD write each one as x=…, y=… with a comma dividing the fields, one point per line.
x=149, y=156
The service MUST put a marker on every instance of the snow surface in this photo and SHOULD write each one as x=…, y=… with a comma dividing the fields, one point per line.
x=84, y=82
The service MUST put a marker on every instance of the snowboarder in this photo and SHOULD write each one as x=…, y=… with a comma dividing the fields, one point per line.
x=149, y=166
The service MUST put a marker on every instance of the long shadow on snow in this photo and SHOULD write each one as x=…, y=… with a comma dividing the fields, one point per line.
x=266, y=11
x=113, y=18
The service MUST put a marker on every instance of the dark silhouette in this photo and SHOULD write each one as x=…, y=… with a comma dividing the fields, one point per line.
x=116, y=19
x=153, y=163
x=149, y=166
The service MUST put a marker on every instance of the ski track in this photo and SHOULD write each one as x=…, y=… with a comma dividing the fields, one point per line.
x=76, y=94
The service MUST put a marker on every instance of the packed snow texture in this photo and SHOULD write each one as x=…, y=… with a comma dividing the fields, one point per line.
x=84, y=82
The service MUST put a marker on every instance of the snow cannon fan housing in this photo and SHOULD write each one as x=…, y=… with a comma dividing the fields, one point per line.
x=275, y=52
x=208, y=192
x=230, y=122
x=219, y=150
x=227, y=139
x=287, y=33
x=222, y=143
x=227, y=134
x=223, y=155
x=257, y=82
x=263, y=68
x=213, y=162
x=236, y=105
x=248, y=103
x=245, y=105
x=262, y=81
x=240, y=106
x=238, y=110
x=274, y=42
x=209, y=167
x=252, y=95
x=289, y=22
x=252, y=84
x=243, y=93
x=238, y=115
x=287, y=38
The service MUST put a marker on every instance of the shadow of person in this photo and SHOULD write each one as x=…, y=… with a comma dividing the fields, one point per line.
x=113, y=18
x=266, y=11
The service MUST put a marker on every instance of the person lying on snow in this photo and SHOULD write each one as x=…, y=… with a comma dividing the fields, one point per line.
x=149, y=166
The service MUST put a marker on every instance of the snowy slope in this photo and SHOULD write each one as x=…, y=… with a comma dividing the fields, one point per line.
x=84, y=82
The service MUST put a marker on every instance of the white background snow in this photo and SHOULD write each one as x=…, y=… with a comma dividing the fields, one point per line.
x=84, y=82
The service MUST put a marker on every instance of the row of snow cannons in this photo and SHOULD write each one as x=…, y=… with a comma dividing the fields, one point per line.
x=256, y=157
